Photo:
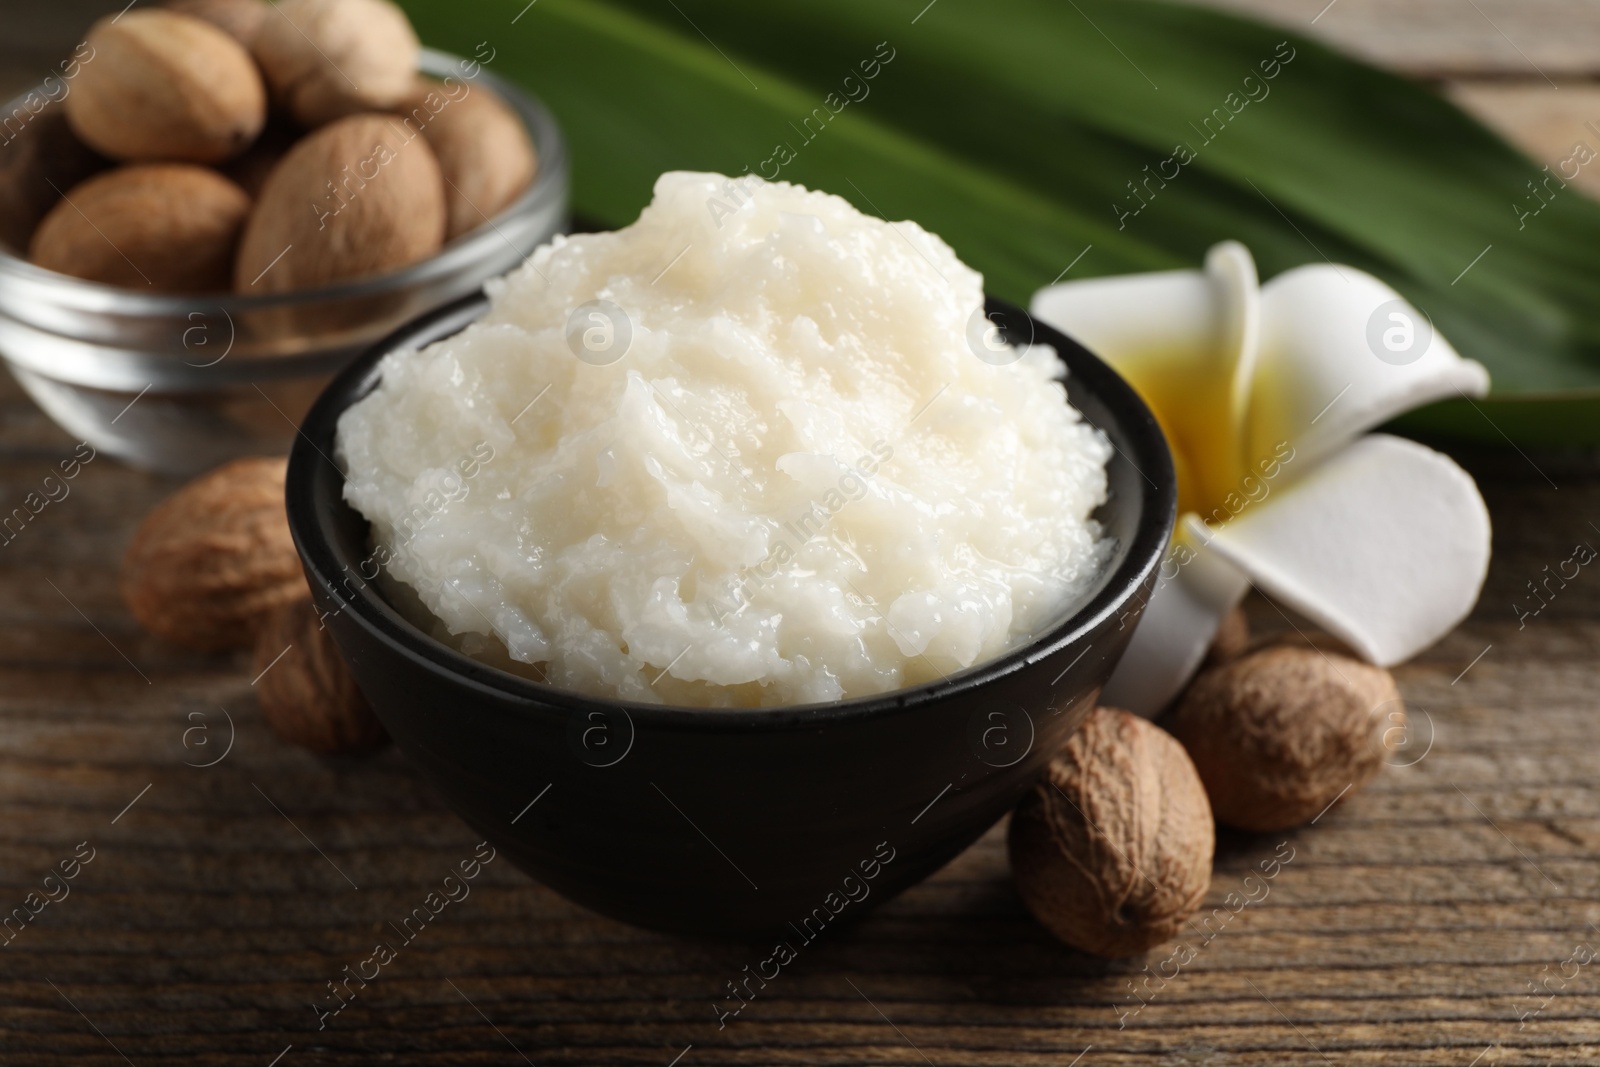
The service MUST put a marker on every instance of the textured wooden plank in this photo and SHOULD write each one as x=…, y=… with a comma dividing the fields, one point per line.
x=1547, y=124
x=1408, y=926
x=1530, y=39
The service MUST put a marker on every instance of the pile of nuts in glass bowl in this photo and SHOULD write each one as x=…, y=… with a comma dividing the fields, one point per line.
x=217, y=203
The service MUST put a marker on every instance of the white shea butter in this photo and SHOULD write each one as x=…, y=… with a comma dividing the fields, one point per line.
x=797, y=483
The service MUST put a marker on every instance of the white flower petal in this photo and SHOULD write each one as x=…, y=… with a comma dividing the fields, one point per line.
x=1195, y=589
x=1187, y=341
x=1341, y=353
x=1233, y=272
x=1385, y=545
x=1168, y=315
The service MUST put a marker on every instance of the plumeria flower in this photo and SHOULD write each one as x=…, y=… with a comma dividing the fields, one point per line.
x=1266, y=395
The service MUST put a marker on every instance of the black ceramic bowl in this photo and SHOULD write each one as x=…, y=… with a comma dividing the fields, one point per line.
x=734, y=821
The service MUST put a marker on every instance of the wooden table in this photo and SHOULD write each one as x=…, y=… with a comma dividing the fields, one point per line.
x=1409, y=927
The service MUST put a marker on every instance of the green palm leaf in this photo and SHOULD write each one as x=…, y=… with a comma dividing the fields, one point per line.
x=1013, y=129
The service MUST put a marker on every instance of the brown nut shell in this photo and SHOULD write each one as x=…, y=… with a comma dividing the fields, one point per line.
x=306, y=692
x=483, y=148
x=39, y=161
x=251, y=170
x=208, y=565
x=359, y=197
x=240, y=19
x=157, y=227
x=1112, y=851
x=325, y=59
x=161, y=85
x=1281, y=732
x=1231, y=639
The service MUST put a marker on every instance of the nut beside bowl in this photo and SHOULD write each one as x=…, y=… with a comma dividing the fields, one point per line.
x=180, y=384
x=730, y=821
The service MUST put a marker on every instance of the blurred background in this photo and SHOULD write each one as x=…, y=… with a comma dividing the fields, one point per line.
x=1025, y=135
x=1494, y=60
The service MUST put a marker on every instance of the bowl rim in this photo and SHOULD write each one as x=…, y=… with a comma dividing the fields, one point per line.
x=549, y=184
x=313, y=449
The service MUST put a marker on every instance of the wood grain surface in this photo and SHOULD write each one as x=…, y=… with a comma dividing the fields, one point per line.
x=1519, y=39
x=1527, y=68
x=1408, y=926
x=1446, y=915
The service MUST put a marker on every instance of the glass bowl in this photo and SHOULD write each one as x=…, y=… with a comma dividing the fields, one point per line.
x=179, y=384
